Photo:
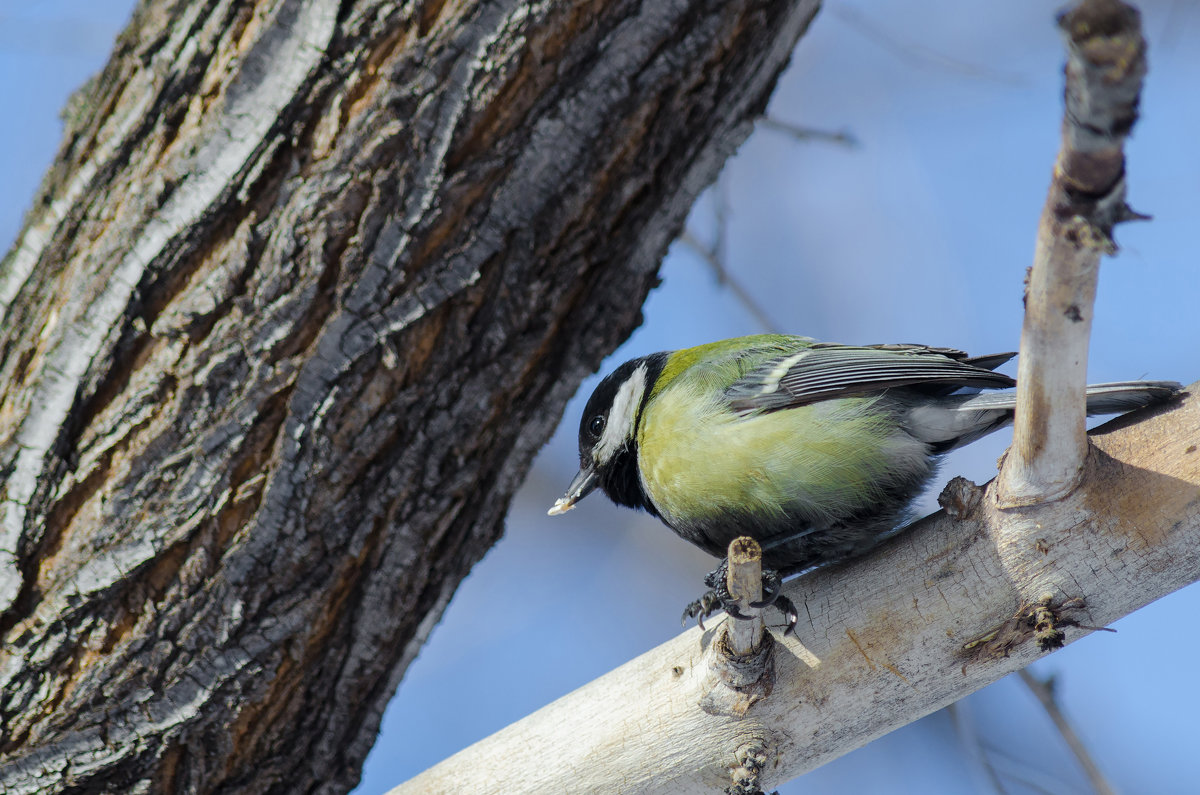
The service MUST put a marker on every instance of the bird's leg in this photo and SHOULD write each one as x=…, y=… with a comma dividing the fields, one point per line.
x=714, y=599
x=719, y=598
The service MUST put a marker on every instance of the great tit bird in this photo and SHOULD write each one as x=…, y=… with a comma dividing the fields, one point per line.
x=816, y=450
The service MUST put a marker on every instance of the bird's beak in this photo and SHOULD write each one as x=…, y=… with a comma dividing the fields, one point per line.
x=580, y=487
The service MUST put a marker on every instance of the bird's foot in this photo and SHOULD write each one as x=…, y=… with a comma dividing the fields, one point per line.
x=719, y=598
x=702, y=608
x=772, y=585
x=790, y=616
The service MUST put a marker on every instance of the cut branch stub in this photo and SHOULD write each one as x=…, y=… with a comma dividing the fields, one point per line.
x=744, y=581
x=740, y=661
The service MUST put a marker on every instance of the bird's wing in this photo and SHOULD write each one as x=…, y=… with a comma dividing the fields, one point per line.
x=823, y=371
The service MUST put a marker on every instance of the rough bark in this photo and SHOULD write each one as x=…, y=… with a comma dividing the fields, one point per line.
x=307, y=287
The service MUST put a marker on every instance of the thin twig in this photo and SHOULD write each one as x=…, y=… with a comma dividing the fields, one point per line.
x=841, y=137
x=918, y=54
x=1018, y=770
x=964, y=725
x=726, y=279
x=720, y=244
x=1045, y=694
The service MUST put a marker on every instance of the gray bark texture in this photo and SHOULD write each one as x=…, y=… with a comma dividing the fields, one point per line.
x=305, y=290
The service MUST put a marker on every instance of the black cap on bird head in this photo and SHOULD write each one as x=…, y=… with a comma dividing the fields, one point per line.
x=608, y=436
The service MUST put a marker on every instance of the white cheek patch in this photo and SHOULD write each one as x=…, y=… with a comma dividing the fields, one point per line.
x=621, y=416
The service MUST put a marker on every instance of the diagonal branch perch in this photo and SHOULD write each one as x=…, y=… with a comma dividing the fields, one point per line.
x=1106, y=62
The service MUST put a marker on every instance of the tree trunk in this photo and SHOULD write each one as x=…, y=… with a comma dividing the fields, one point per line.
x=309, y=284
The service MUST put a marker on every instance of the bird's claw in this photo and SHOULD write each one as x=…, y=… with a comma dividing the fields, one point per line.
x=790, y=616
x=772, y=586
x=702, y=608
x=719, y=598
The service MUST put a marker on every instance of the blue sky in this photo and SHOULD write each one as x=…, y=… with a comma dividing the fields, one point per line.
x=921, y=233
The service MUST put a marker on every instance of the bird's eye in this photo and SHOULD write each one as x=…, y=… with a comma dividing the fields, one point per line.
x=596, y=425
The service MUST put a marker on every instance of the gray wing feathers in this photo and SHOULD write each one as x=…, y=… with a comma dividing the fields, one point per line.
x=832, y=371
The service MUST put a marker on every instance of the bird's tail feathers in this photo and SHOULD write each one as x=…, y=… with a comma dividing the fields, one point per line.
x=1115, y=398
x=1122, y=396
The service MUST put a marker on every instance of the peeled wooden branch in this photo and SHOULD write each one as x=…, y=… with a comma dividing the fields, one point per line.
x=745, y=586
x=1106, y=61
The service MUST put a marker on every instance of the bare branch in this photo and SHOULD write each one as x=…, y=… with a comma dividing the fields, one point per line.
x=1105, y=66
x=968, y=736
x=801, y=133
x=915, y=53
x=724, y=277
x=1043, y=690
